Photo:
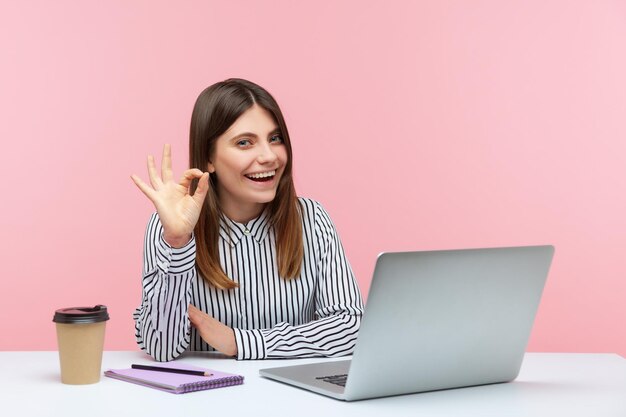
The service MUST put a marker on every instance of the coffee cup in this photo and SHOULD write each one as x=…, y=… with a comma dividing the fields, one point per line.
x=80, y=336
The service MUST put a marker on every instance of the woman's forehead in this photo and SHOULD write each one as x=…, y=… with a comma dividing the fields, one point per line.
x=256, y=120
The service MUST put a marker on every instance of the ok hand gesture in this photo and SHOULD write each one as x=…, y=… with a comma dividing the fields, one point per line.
x=178, y=210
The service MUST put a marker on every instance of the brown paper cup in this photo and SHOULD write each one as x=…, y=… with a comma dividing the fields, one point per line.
x=80, y=336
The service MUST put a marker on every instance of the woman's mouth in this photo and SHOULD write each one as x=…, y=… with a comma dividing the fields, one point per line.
x=262, y=176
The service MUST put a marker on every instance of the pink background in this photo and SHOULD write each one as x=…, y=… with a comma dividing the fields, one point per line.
x=419, y=125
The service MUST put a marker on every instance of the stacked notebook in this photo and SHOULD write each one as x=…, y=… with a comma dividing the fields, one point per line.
x=174, y=382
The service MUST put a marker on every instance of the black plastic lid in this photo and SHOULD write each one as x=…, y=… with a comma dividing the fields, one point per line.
x=81, y=315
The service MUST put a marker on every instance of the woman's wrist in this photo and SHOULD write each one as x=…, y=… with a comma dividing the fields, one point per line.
x=176, y=241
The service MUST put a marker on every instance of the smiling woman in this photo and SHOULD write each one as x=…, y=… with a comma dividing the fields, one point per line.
x=233, y=260
x=247, y=160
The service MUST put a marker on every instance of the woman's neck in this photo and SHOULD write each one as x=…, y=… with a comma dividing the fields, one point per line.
x=243, y=214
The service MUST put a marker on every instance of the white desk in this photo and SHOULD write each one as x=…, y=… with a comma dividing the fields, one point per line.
x=590, y=385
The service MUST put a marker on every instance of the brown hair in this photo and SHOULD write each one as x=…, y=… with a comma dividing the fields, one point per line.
x=216, y=109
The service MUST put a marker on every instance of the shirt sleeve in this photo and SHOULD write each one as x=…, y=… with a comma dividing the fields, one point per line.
x=338, y=309
x=162, y=325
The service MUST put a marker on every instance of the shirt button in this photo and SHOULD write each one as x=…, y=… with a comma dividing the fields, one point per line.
x=246, y=232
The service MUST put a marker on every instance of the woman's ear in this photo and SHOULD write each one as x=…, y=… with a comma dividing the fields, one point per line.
x=210, y=168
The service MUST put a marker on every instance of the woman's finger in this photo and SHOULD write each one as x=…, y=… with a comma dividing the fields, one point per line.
x=166, y=163
x=189, y=175
x=196, y=316
x=202, y=189
x=155, y=180
x=145, y=188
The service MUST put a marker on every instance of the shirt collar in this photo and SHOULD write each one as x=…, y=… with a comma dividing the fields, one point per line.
x=232, y=231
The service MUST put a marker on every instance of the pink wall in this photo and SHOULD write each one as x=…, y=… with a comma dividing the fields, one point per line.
x=419, y=125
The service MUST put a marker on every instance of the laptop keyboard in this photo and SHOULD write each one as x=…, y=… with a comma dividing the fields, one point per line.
x=335, y=379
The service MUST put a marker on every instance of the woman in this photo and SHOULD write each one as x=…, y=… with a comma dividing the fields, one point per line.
x=234, y=261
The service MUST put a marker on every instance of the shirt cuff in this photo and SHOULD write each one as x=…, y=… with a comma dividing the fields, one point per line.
x=250, y=344
x=176, y=260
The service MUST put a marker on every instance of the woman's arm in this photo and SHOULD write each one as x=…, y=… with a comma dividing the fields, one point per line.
x=161, y=322
x=162, y=327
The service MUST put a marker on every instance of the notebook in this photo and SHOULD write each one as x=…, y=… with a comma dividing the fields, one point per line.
x=176, y=383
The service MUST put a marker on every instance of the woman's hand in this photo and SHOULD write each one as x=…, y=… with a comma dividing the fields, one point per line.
x=178, y=210
x=216, y=334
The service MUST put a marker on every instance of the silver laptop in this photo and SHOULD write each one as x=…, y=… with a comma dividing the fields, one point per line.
x=436, y=320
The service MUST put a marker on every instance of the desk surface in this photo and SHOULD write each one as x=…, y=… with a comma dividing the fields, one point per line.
x=549, y=384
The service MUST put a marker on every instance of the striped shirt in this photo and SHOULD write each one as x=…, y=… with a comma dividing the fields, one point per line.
x=315, y=314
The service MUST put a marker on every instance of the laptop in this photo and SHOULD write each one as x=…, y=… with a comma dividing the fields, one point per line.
x=436, y=320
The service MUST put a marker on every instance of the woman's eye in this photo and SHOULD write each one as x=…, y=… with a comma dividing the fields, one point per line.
x=243, y=142
x=276, y=138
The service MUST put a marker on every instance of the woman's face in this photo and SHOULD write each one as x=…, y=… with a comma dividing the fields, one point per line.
x=249, y=161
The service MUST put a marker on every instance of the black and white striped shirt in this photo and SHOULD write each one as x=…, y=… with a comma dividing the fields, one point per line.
x=315, y=314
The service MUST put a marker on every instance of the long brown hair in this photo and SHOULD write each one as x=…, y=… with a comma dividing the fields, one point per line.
x=216, y=109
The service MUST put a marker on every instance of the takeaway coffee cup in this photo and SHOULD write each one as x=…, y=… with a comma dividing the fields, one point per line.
x=80, y=334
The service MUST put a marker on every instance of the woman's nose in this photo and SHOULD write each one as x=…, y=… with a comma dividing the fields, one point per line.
x=266, y=154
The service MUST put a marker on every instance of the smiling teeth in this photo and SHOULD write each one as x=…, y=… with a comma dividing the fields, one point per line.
x=262, y=174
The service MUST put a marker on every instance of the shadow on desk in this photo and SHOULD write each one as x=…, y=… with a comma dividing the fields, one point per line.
x=494, y=395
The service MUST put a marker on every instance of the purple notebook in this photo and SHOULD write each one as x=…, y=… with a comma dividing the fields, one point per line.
x=176, y=383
